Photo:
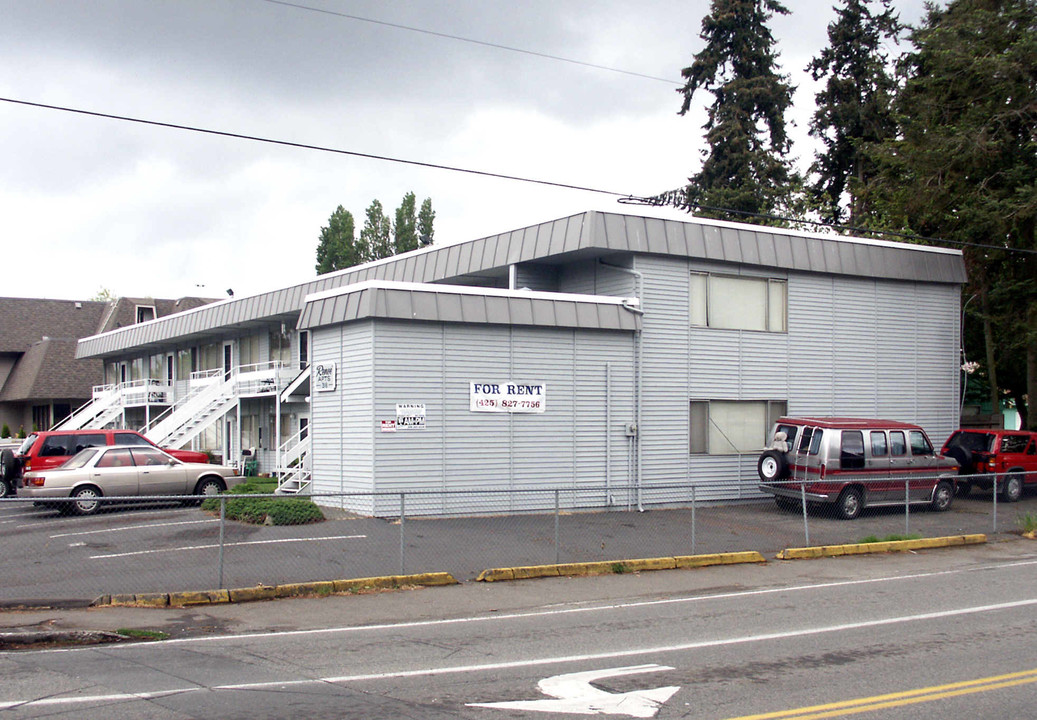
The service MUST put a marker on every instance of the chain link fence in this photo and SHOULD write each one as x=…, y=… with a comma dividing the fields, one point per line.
x=174, y=544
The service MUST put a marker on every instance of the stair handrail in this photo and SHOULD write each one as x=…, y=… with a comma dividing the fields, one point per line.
x=195, y=402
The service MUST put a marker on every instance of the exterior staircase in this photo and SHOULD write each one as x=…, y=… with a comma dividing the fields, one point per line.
x=104, y=406
x=293, y=470
x=211, y=397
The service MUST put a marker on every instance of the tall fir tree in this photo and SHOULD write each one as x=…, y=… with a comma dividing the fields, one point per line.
x=426, y=218
x=854, y=110
x=745, y=169
x=964, y=169
x=405, y=228
x=337, y=247
x=377, y=232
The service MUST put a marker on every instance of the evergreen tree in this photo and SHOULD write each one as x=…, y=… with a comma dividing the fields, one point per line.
x=405, y=229
x=745, y=168
x=854, y=108
x=337, y=247
x=376, y=234
x=964, y=168
x=426, y=217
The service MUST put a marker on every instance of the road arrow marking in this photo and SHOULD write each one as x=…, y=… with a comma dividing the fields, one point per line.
x=574, y=694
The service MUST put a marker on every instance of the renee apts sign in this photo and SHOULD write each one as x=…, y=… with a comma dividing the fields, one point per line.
x=507, y=397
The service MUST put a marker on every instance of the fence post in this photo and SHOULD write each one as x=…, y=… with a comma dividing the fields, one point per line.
x=907, y=507
x=693, y=552
x=994, y=488
x=803, y=504
x=403, y=514
x=556, y=528
x=223, y=523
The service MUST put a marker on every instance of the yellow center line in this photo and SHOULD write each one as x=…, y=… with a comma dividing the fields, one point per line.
x=899, y=699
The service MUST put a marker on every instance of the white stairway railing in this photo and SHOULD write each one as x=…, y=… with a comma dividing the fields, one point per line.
x=293, y=470
x=105, y=402
x=210, y=398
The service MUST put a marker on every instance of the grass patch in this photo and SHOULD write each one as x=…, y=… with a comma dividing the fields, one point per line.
x=618, y=568
x=1028, y=523
x=142, y=634
x=264, y=510
x=890, y=538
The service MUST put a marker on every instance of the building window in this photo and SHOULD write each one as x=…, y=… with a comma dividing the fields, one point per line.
x=40, y=417
x=731, y=427
x=280, y=347
x=185, y=363
x=304, y=349
x=248, y=351
x=733, y=302
x=145, y=313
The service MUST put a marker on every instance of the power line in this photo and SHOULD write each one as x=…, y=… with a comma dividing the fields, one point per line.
x=665, y=199
x=307, y=146
x=484, y=43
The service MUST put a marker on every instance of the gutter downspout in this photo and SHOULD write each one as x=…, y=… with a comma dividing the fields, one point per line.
x=638, y=287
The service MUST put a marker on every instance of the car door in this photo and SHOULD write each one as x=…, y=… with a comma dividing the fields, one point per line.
x=159, y=474
x=115, y=473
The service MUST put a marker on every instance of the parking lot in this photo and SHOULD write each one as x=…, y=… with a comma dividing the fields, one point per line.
x=161, y=548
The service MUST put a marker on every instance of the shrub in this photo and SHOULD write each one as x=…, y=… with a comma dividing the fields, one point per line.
x=5, y=431
x=265, y=510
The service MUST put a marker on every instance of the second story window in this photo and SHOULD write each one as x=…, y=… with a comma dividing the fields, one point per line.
x=145, y=313
x=735, y=302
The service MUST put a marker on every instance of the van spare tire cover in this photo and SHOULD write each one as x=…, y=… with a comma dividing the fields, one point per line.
x=772, y=465
x=963, y=456
x=8, y=465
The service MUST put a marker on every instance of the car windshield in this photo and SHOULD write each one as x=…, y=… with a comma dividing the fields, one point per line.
x=23, y=449
x=80, y=459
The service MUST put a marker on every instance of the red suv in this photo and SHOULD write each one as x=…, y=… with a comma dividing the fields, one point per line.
x=1007, y=457
x=50, y=448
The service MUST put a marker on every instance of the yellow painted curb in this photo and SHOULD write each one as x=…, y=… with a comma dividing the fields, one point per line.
x=879, y=547
x=267, y=592
x=202, y=597
x=734, y=558
x=618, y=566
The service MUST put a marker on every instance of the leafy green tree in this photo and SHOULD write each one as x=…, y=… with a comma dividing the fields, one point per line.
x=964, y=169
x=405, y=229
x=745, y=168
x=104, y=295
x=426, y=217
x=377, y=232
x=854, y=110
x=338, y=248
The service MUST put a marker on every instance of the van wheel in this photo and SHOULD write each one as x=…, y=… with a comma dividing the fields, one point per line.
x=943, y=496
x=849, y=503
x=1012, y=489
x=772, y=466
x=6, y=488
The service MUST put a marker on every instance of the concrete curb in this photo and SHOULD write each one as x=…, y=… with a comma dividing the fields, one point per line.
x=608, y=567
x=879, y=547
x=271, y=592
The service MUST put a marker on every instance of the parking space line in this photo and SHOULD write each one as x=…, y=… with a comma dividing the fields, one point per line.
x=134, y=527
x=232, y=544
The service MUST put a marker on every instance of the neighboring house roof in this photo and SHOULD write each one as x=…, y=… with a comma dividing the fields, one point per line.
x=42, y=335
x=586, y=235
x=49, y=370
x=452, y=303
x=25, y=321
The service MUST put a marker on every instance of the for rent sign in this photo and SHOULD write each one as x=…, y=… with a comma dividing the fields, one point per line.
x=509, y=397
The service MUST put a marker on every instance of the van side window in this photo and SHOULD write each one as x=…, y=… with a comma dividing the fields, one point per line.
x=815, y=442
x=1013, y=443
x=878, y=444
x=790, y=434
x=851, y=455
x=897, y=444
x=804, y=443
x=920, y=444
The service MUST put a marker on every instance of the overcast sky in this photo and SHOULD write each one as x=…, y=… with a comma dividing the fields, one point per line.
x=88, y=203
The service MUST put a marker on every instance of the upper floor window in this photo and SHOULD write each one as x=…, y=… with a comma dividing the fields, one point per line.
x=145, y=313
x=304, y=349
x=738, y=303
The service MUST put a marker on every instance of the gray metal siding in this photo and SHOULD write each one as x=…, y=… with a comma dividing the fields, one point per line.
x=462, y=450
x=341, y=421
x=874, y=348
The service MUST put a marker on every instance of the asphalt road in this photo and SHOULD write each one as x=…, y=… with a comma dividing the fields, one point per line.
x=941, y=634
x=50, y=557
